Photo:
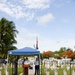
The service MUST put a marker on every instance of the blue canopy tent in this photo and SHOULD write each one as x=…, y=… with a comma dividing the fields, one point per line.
x=25, y=51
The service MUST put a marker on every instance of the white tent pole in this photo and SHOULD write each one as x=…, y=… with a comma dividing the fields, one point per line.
x=39, y=64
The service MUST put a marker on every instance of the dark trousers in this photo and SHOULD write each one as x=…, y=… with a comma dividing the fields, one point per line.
x=37, y=70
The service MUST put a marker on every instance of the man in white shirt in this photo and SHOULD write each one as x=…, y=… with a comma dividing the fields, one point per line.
x=36, y=66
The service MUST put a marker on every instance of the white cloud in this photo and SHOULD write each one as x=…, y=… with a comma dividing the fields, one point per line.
x=22, y=9
x=5, y=9
x=14, y=10
x=43, y=20
x=31, y=16
x=28, y=38
x=36, y=4
x=2, y=1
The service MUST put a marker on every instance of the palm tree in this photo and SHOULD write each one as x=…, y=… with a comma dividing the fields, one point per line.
x=7, y=35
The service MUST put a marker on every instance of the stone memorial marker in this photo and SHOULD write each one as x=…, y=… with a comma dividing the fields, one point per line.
x=55, y=72
x=47, y=73
x=0, y=72
x=64, y=72
x=73, y=72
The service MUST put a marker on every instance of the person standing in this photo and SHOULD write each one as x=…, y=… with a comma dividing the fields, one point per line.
x=26, y=66
x=37, y=66
x=23, y=60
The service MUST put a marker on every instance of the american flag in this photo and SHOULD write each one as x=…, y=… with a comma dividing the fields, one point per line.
x=36, y=42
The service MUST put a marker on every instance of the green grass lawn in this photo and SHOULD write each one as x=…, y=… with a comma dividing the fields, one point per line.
x=60, y=71
x=20, y=70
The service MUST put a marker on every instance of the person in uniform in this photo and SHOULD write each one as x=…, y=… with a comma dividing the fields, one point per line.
x=36, y=66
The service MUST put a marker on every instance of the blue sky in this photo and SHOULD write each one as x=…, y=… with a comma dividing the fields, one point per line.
x=52, y=21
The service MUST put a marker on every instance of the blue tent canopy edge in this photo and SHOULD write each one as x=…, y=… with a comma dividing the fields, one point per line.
x=24, y=51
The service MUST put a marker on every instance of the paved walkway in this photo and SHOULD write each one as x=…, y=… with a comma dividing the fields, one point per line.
x=31, y=72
